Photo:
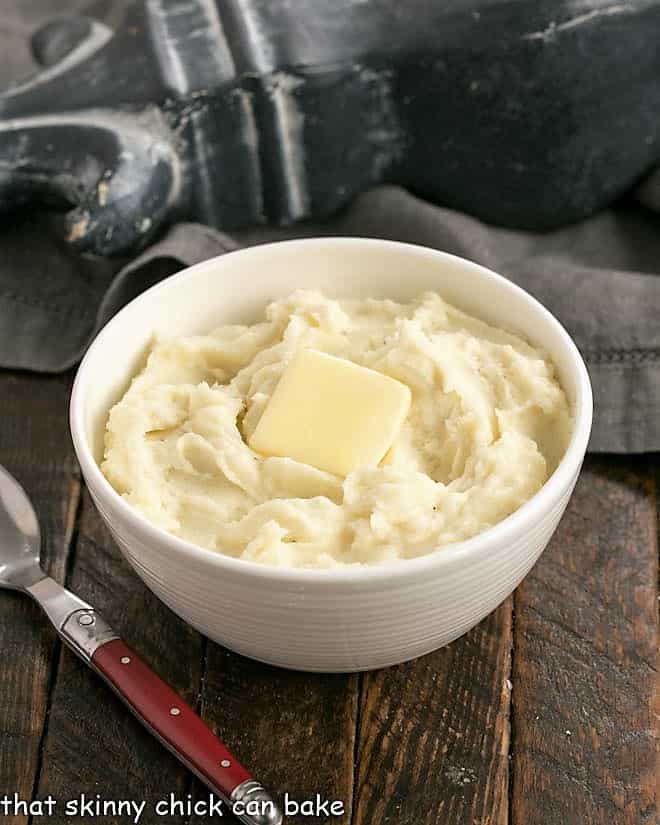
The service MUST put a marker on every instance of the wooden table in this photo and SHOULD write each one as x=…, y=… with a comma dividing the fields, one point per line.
x=540, y=715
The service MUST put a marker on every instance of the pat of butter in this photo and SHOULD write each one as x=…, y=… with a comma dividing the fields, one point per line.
x=331, y=413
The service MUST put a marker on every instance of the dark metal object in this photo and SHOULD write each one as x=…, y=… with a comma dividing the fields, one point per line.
x=233, y=112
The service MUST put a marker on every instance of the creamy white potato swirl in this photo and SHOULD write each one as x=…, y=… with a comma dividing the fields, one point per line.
x=488, y=423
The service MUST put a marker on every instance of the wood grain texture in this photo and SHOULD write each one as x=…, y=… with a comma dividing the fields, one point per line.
x=585, y=657
x=434, y=734
x=295, y=731
x=93, y=744
x=428, y=742
x=35, y=448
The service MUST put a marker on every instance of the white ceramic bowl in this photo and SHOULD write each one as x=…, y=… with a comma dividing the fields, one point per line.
x=325, y=620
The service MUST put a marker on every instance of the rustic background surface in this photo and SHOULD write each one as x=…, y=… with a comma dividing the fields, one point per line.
x=541, y=715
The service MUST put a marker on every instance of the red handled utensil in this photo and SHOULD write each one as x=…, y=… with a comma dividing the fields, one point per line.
x=160, y=709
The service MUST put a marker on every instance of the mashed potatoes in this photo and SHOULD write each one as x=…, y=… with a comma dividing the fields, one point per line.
x=488, y=424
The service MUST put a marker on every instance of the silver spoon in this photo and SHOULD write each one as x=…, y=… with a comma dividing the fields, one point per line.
x=155, y=704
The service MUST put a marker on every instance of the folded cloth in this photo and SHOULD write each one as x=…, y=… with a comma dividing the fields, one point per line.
x=600, y=278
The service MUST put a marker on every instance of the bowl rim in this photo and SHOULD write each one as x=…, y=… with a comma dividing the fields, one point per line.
x=353, y=574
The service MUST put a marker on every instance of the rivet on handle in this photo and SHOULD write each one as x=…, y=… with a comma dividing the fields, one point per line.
x=225, y=763
x=175, y=711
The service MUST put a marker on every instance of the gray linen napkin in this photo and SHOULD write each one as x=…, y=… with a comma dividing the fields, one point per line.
x=600, y=277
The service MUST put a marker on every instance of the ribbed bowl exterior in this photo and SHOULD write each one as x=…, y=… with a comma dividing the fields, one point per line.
x=338, y=627
x=324, y=620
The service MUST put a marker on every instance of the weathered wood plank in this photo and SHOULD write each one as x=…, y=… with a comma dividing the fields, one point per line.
x=295, y=731
x=35, y=447
x=584, y=663
x=434, y=734
x=93, y=744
